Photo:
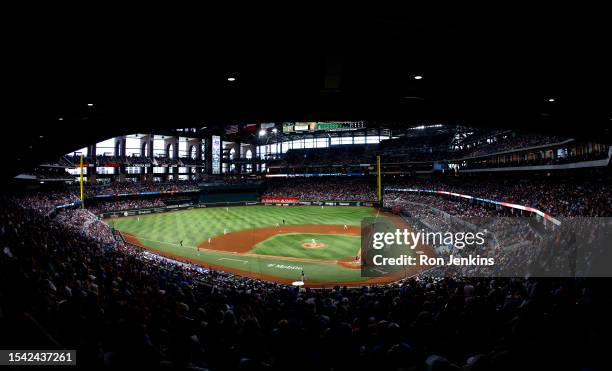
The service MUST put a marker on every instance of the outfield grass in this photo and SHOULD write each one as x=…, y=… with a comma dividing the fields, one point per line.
x=164, y=231
x=291, y=244
x=197, y=225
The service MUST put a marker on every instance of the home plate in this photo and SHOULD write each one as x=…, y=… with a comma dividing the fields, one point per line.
x=420, y=252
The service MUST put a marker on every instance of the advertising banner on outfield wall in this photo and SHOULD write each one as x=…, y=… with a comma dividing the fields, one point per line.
x=118, y=214
x=448, y=246
x=295, y=201
x=280, y=200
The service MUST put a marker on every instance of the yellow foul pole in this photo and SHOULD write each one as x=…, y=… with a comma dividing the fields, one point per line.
x=81, y=181
x=379, y=188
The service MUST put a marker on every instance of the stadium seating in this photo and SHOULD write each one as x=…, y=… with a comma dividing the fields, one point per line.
x=67, y=280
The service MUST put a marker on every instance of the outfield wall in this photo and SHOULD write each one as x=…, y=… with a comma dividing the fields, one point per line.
x=284, y=202
x=121, y=213
x=153, y=210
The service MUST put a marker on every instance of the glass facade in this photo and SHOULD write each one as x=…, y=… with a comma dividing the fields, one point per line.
x=268, y=150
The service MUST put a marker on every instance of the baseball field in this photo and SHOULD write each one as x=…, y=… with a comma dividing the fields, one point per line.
x=266, y=242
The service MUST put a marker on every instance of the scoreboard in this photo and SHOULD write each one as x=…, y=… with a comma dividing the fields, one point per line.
x=340, y=125
x=297, y=127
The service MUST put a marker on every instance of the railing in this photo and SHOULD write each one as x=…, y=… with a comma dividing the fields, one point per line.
x=468, y=197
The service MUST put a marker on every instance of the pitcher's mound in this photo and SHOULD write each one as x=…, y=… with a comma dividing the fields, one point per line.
x=313, y=245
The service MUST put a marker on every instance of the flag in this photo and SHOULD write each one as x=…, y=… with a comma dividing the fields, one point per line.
x=231, y=129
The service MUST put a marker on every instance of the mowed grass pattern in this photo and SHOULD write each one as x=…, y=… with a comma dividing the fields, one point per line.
x=164, y=232
x=197, y=225
x=291, y=244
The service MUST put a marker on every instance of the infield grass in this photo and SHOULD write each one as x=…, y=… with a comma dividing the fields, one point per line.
x=292, y=244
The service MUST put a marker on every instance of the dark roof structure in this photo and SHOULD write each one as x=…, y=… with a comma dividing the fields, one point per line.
x=541, y=74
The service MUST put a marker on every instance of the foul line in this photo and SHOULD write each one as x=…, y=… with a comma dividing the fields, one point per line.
x=237, y=260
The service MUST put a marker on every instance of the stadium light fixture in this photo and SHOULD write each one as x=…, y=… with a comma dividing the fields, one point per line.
x=89, y=104
x=231, y=79
x=551, y=100
x=418, y=77
x=262, y=132
x=61, y=119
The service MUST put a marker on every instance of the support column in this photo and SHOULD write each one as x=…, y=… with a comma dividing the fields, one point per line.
x=149, y=154
x=92, y=170
x=119, y=155
x=209, y=156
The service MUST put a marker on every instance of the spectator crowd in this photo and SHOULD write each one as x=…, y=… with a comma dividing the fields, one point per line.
x=121, y=205
x=557, y=196
x=509, y=142
x=323, y=188
x=64, y=284
x=116, y=188
x=66, y=280
x=519, y=246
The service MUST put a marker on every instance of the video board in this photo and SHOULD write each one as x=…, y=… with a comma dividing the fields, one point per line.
x=300, y=127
